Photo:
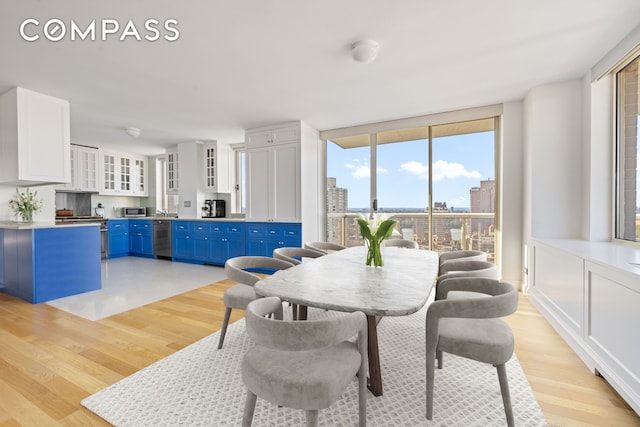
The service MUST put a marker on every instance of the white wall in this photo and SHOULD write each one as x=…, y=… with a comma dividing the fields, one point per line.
x=511, y=198
x=311, y=188
x=598, y=186
x=554, y=156
x=189, y=185
x=45, y=192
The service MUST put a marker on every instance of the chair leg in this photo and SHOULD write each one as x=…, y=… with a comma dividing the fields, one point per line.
x=225, y=323
x=440, y=358
x=249, y=409
x=294, y=311
x=312, y=418
x=430, y=374
x=362, y=394
x=506, y=398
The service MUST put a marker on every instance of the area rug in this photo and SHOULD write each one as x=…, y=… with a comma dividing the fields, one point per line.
x=201, y=386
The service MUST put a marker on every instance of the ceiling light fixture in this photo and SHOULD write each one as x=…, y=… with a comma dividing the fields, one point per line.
x=132, y=132
x=365, y=51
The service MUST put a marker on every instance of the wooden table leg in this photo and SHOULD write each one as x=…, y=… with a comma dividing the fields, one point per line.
x=375, y=376
x=302, y=312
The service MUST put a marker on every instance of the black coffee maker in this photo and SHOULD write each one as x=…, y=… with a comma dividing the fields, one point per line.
x=215, y=208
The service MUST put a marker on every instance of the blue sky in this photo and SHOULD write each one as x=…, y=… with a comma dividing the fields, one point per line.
x=460, y=162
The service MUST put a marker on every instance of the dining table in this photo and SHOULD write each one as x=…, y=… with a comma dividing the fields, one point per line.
x=341, y=281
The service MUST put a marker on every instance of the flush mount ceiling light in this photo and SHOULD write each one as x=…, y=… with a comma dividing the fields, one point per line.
x=365, y=51
x=132, y=132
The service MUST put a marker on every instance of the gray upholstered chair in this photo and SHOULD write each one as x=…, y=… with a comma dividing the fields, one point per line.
x=470, y=255
x=400, y=243
x=465, y=268
x=295, y=255
x=238, y=296
x=324, y=247
x=303, y=364
x=472, y=328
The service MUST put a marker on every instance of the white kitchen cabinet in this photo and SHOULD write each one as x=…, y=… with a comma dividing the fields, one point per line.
x=83, y=168
x=123, y=174
x=139, y=176
x=108, y=174
x=171, y=171
x=34, y=138
x=284, y=134
x=275, y=176
x=216, y=166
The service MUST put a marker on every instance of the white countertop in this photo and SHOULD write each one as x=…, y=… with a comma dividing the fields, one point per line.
x=14, y=225
x=610, y=254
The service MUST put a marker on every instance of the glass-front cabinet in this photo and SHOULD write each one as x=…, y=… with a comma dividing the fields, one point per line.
x=123, y=174
x=84, y=169
x=172, y=171
x=216, y=166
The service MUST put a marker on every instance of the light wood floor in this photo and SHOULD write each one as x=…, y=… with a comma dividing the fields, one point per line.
x=50, y=360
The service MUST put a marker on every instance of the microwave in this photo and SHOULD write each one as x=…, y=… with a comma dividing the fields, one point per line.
x=131, y=212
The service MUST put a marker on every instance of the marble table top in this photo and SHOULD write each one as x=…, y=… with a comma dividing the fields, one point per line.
x=341, y=281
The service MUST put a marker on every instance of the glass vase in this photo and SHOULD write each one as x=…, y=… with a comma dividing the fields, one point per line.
x=27, y=216
x=374, y=255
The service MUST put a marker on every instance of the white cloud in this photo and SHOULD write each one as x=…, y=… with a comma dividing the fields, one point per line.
x=360, y=171
x=416, y=168
x=441, y=170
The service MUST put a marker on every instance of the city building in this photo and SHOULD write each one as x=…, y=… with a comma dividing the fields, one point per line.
x=337, y=201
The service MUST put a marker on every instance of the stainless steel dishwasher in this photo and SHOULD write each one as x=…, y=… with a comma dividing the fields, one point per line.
x=162, y=238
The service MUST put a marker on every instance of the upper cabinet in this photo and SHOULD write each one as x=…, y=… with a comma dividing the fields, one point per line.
x=272, y=135
x=280, y=161
x=123, y=174
x=83, y=168
x=34, y=138
x=216, y=166
x=171, y=171
x=139, y=175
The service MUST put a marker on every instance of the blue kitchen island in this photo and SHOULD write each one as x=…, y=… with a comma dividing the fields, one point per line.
x=40, y=262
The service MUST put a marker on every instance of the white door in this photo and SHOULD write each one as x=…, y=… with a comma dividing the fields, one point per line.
x=258, y=167
x=286, y=188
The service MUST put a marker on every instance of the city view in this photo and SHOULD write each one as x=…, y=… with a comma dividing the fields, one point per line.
x=453, y=228
x=463, y=215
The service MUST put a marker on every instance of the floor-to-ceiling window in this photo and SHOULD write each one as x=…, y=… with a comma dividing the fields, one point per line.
x=348, y=187
x=438, y=181
x=627, y=224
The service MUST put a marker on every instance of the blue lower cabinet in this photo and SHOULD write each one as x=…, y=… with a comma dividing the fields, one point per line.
x=49, y=263
x=201, y=248
x=141, y=237
x=118, y=234
x=223, y=248
x=263, y=238
x=227, y=241
x=207, y=242
x=181, y=246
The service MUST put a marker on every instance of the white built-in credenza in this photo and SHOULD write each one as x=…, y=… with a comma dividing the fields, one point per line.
x=590, y=293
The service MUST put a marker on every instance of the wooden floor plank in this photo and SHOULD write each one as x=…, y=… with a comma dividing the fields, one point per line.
x=53, y=359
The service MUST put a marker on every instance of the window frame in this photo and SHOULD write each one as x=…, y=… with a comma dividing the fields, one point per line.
x=468, y=115
x=239, y=189
x=618, y=133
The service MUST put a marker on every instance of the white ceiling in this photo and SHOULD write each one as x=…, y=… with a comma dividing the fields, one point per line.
x=243, y=64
